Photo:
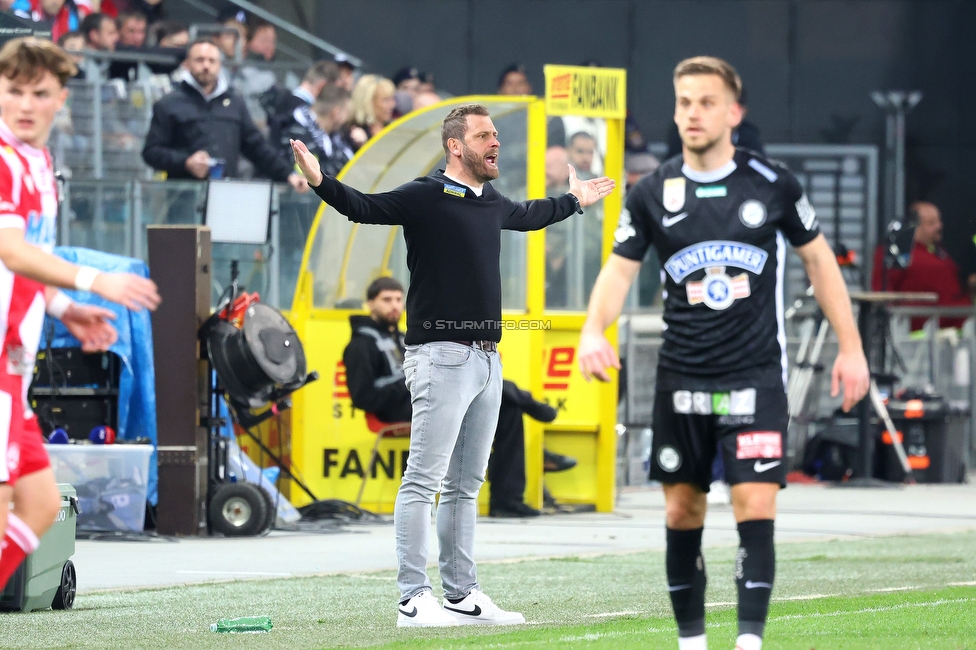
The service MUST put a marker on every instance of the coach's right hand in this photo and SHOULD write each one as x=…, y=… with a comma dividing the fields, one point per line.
x=127, y=289
x=596, y=355
x=308, y=163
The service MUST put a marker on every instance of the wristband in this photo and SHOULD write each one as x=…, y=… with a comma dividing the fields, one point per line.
x=85, y=278
x=58, y=305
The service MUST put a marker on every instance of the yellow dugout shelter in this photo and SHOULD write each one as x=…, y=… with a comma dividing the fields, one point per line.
x=331, y=443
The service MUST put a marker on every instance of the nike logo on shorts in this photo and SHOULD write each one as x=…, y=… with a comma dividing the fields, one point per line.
x=474, y=612
x=756, y=585
x=761, y=467
x=670, y=221
x=674, y=588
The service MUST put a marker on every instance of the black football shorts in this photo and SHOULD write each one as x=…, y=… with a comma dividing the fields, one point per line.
x=748, y=426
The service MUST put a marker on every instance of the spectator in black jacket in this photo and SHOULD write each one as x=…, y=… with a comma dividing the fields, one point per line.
x=317, y=77
x=202, y=121
x=320, y=128
x=374, y=356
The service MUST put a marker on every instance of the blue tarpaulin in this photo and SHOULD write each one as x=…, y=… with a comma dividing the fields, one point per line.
x=137, y=379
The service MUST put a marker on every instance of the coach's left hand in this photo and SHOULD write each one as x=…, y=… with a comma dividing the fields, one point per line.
x=591, y=191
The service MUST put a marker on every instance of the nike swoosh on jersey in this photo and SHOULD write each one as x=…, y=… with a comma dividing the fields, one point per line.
x=474, y=612
x=670, y=221
x=756, y=585
x=761, y=467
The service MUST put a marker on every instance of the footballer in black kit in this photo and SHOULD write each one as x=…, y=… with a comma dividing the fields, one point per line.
x=720, y=219
x=721, y=374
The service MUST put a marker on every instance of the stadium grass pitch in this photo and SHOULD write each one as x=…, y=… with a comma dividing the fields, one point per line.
x=872, y=594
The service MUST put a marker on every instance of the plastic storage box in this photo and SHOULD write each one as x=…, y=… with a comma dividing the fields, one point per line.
x=47, y=577
x=111, y=482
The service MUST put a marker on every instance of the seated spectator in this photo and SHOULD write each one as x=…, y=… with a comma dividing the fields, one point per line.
x=74, y=42
x=153, y=10
x=372, y=108
x=347, y=72
x=257, y=84
x=64, y=15
x=100, y=32
x=514, y=81
x=374, y=356
x=231, y=39
x=930, y=268
x=172, y=34
x=581, y=150
x=557, y=171
x=317, y=77
x=132, y=29
x=319, y=126
x=407, y=84
x=202, y=121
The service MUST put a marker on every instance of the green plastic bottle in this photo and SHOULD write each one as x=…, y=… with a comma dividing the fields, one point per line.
x=245, y=624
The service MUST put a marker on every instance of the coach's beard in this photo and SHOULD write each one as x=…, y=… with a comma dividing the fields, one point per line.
x=478, y=167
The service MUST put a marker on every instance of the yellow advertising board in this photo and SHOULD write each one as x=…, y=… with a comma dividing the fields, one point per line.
x=586, y=91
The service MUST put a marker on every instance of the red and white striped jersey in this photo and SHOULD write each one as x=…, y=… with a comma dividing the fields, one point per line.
x=28, y=201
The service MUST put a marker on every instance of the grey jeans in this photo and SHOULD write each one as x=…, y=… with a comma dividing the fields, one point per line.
x=456, y=391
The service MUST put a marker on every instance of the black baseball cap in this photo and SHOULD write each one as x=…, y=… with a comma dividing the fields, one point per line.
x=403, y=74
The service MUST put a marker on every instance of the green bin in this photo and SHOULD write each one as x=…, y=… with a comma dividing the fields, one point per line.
x=47, y=577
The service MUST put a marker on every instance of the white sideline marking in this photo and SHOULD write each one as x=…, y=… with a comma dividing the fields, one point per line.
x=609, y=614
x=888, y=589
x=239, y=573
x=971, y=583
x=868, y=610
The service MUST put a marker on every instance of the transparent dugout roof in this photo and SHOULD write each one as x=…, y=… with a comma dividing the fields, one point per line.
x=345, y=257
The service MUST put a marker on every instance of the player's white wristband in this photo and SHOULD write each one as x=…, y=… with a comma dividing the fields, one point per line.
x=85, y=278
x=59, y=304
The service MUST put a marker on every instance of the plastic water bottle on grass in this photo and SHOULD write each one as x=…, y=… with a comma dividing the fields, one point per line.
x=245, y=624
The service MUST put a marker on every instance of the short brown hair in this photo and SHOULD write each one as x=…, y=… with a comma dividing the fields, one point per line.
x=711, y=65
x=456, y=123
x=326, y=71
x=30, y=57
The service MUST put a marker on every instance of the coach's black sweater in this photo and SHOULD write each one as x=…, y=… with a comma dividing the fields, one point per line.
x=453, y=246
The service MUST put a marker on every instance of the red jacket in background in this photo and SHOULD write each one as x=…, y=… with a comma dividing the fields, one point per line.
x=928, y=270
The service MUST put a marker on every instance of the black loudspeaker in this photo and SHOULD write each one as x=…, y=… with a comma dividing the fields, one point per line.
x=75, y=391
x=180, y=260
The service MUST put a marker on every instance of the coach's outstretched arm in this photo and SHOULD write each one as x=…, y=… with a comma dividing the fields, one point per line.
x=606, y=302
x=127, y=289
x=850, y=368
x=387, y=208
x=539, y=213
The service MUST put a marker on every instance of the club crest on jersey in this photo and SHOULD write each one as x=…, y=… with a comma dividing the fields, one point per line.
x=625, y=229
x=715, y=253
x=717, y=290
x=752, y=213
x=674, y=194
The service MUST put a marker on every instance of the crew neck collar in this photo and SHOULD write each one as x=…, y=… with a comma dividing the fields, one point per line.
x=710, y=176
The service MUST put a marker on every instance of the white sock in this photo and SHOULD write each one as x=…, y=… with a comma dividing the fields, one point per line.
x=748, y=642
x=692, y=642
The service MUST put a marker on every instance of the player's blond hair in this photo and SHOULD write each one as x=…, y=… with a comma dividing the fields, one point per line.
x=711, y=65
x=29, y=57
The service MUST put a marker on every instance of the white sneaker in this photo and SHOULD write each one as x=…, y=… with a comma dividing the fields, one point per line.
x=718, y=494
x=423, y=610
x=477, y=609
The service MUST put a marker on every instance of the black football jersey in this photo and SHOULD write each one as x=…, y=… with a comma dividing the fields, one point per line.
x=720, y=236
